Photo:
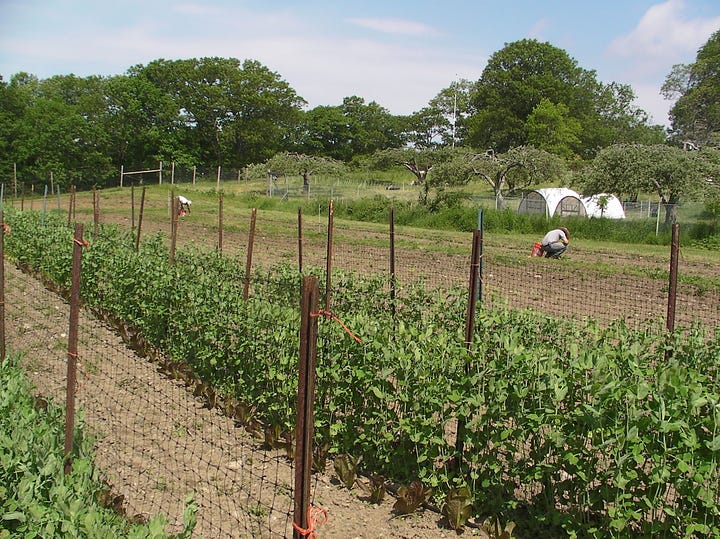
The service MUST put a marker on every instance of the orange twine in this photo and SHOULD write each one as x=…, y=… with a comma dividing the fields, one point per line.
x=82, y=243
x=315, y=516
x=331, y=315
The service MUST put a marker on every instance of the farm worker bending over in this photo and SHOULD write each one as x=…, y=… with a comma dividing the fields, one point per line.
x=555, y=242
x=183, y=205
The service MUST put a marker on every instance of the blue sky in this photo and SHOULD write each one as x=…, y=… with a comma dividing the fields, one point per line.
x=399, y=53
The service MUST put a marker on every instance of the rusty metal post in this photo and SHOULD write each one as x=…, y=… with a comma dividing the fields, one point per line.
x=248, y=261
x=473, y=287
x=132, y=207
x=329, y=259
x=469, y=328
x=304, y=425
x=96, y=212
x=300, y=241
x=173, y=226
x=72, y=346
x=140, y=216
x=392, y=262
x=2, y=286
x=220, y=223
x=71, y=208
x=672, y=284
x=481, y=228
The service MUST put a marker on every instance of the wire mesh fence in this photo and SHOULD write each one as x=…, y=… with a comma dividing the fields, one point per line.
x=159, y=438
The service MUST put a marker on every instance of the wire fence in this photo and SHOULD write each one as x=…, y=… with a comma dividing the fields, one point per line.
x=158, y=440
x=163, y=435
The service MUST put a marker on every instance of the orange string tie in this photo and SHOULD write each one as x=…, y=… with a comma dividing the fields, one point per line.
x=336, y=319
x=82, y=243
x=315, y=516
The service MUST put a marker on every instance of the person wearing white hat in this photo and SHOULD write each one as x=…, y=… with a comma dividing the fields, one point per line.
x=183, y=205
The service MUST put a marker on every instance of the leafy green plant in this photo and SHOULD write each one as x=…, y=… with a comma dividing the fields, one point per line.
x=410, y=498
x=458, y=507
x=377, y=488
x=346, y=469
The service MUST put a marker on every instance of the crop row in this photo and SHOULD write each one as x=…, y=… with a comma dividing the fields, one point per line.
x=576, y=429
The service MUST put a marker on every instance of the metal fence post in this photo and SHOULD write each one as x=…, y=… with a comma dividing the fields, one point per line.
x=72, y=346
x=2, y=286
x=248, y=261
x=304, y=426
x=672, y=284
x=140, y=217
x=329, y=259
x=220, y=223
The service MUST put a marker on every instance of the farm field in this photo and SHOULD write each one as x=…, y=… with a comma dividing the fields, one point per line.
x=441, y=260
x=37, y=322
x=603, y=281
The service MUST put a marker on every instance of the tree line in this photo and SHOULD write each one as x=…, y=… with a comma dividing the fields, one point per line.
x=533, y=113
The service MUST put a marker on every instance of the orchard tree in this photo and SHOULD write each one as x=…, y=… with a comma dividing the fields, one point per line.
x=295, y=164
x=695, y=116
x=418, y=161
x=667, y=171
x=518, y=168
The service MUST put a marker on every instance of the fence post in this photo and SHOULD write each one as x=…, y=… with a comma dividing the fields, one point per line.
x=132, y=207
x=328, y=259
x=96, y=212
x=2, y=286
x=300, y=241
x=44, y=205
x=173, y=226
x=672, y=284
x=71, y=209
x=248, y=261
x=140, y=216
x=72, y=346
x=392, y=263
x=304, y=425
x=220, y=223
x=469, y=328
x=481, y=228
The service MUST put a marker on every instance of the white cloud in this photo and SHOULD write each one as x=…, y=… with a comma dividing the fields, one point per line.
x=537, y=31
x=665, y=34
x=196, y=9
x=396, y=27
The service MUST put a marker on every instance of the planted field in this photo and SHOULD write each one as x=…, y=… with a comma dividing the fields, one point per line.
x=568, y=426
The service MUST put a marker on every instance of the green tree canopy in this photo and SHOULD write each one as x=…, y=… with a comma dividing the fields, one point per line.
x=444, y=121
x=527, y=73
x=295, y=164
x=695, y=116
x=347, y=131
x=232, y=113
x=518, y=168
x=668, y=172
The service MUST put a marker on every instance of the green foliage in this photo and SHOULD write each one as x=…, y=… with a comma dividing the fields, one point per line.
x=37, y=499
x=458, y=507
x=522, y=75
x=695, y=115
